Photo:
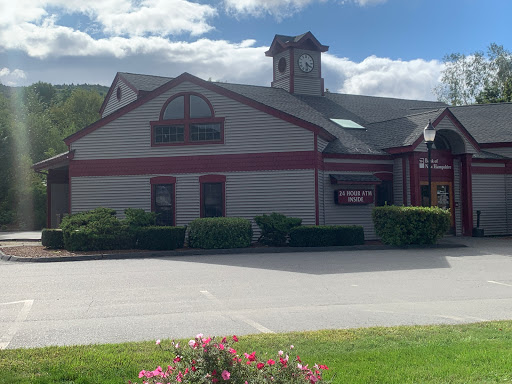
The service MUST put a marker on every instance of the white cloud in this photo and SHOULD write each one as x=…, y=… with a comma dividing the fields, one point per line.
x=281, y=8
x=11, y=78
x=125, y=17
x=376, y=76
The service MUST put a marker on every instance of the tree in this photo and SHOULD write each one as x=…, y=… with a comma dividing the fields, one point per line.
x=477, y=77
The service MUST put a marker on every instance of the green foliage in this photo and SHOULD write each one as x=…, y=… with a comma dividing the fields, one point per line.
x=326, y=235
x=410, y=225
x=139, y=218
x=160, y=238
x=220, y=232
x=96, y=230
x=484, y=78
x=34, y=121
x=52, y=238
x=275, y=228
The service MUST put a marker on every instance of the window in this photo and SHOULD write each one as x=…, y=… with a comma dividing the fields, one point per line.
x=187, y=119
x=163, y=199
x=212, y=195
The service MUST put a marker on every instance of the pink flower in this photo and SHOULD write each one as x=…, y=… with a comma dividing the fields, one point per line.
x=280, y=353
x=291, y=346
x=158, y=342
x=199, y=336
x=221, y=347
x=224, y=340
x=225, y=375
x=232, y=351
x=260, y=365
x=142, y=374
x=235, y=339
x=270, y=362
x=192, y=343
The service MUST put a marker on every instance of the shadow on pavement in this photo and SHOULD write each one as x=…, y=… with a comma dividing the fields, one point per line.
x=338, y=262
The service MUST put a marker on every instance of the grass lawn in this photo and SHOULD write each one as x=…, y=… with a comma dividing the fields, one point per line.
x=474, y=353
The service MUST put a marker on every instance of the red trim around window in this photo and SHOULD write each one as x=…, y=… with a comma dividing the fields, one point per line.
x=212, y=179
x=159, y=180
x=187, y=121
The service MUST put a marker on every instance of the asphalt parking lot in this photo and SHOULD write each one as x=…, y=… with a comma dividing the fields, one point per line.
x=106, y=301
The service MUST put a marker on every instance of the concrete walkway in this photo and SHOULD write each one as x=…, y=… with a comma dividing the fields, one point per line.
x=21, y=236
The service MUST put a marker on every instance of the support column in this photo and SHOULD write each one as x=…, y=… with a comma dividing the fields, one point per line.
x=414, y=175
x=467, y=195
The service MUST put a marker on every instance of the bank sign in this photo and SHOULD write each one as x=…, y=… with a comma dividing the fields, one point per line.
x=353, y=196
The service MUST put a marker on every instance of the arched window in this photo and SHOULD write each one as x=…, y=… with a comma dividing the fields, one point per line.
x=187, y=118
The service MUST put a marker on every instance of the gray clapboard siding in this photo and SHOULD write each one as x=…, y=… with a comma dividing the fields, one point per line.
x=116, y=192
x=398, y=182
x=508, y=202
x=292, y=193
x=127, y=96
x=321, y=202
x=282, y=80
x=248, y=194
x=347, y=214
x=321, y=144
x=457, y=198
x=307, y=86
x=489, y=197
x=246, y=130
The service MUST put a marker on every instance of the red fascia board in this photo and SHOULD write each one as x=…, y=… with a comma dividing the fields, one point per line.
x=503, y=144
x=194, y=164
x=210, y=86
x=163, y=180
x=400, y=150
x=212, y=179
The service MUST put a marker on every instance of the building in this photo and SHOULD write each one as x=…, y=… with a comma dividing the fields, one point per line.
x=188, y=148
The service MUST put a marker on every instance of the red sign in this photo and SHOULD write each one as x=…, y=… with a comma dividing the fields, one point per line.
x=354, y=196
x=441, y=163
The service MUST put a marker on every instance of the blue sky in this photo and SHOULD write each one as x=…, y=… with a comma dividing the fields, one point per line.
x=377, y=47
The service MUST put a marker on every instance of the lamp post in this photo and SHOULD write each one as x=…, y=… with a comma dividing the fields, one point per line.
x=429, y=134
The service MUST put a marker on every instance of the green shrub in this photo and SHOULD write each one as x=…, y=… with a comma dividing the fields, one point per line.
x=275, y=228
x=160, y=238
x=96, y=230
x=220, y=232
x=52, y=238
x=410, y=225
x=139, y=218
x=326, y=235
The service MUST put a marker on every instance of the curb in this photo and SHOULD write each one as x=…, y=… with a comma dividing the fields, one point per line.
x=206, y=252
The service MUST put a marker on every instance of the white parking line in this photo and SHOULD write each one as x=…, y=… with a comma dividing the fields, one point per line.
x=6, y=339
x=235, y=316
x=497, y=282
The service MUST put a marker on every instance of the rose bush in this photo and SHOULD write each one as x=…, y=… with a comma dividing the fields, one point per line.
x=204, y=360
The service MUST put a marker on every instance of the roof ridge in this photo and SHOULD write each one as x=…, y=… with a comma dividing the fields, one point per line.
x=479, y=105
x=143, y=74
x=384, y=97
x=403, y=117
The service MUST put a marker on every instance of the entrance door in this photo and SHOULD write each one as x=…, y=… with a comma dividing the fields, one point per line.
x=442, y=197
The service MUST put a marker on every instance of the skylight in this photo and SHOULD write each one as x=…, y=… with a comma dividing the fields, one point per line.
x=347, y=124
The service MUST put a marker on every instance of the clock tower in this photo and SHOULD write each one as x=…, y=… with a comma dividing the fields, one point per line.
x=297, y=64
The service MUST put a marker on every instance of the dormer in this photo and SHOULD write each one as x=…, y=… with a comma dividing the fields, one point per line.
x=298, y=64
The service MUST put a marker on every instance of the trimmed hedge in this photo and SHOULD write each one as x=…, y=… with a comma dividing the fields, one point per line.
x=410, y=225
x=220, y=232
x=52, y=238
x=275, y=228
x=96, y=230
x=160, y=238
x=326, y=235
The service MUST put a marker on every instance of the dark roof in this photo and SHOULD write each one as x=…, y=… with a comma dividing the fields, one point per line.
x=60, y=160
x=145, y=82
x=487, y=123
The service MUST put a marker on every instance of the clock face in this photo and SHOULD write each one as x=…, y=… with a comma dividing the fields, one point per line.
x=306, y=63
